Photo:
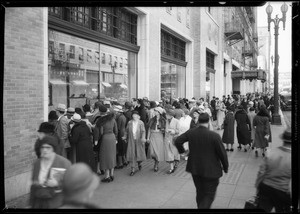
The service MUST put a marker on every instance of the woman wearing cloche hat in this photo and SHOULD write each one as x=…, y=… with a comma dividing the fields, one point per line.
x=80, y=138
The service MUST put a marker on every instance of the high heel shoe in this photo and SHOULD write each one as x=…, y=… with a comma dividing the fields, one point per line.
x=132, y=173
x=263, y=154
x=245, y=150
x=112, y=178
x=239, y=147
x=256, y=153
x=171, y=171
x=231, y=150
x=140, y=167
x=106, y=180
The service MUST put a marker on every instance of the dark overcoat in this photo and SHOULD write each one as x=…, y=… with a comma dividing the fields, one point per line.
x=81, y=137
x=207, y=157
x=136, y=149
x=243, y=128
x=263, y=128
x=228, y=134
x=121, y=124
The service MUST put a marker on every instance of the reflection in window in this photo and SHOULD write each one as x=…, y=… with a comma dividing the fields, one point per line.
x=172, y=80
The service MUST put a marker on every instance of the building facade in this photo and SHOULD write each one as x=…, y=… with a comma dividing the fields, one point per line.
x=77, y=55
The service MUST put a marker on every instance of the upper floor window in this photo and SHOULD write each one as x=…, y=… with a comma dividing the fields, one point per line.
x=172, y=46
x=210, y=60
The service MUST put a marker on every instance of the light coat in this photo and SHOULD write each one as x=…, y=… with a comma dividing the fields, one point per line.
x=136, y=148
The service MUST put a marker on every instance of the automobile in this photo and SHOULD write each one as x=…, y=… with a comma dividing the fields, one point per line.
x=286, y=101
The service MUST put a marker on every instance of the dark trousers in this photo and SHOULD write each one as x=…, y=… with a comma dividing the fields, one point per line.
x=205, y=191
x=270, y=197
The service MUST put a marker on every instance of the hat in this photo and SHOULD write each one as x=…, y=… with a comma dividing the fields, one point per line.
x=192, y=101
x=203, y=118
x=79, y=178
x=70, y=110
x=251, y=103
x=157, y=103
x=201, y=108
x=128, y=105
x=50, y=140
x=197, y=110
x=61, y=107
x=52, y=115
x=118, y=108
x=159, y=109
x=170, y=112
x=287, y=136
x=135, y=112
x=46, y=127
x=76, y=118
x=102, y=109
x=106, y=102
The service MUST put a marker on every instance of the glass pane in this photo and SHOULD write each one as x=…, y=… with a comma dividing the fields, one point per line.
x=73, y=70
x=173, y=79
x=118, y=78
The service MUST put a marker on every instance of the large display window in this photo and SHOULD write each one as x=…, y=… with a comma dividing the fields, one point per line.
x=82, y=71
x=173, y=78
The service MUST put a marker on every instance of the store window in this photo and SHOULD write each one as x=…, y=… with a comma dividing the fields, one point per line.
x=173, y=78
x=77, y=76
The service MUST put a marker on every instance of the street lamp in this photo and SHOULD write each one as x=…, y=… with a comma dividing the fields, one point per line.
x=276, y=119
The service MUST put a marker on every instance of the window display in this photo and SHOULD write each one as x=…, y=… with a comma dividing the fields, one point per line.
x=77, y=76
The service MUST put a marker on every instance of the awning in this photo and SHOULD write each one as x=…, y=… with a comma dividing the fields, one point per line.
x=106, y=84
x=57, y=82
x=79, y=82
x=249, y=74
x=123, y=86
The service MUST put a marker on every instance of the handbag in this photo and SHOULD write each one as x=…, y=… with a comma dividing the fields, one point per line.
x=96, y=148
x=42, y=192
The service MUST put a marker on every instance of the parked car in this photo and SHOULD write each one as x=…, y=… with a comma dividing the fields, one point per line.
x=286, y=101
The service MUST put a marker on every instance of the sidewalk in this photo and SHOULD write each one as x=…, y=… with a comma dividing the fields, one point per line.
x=147, y=189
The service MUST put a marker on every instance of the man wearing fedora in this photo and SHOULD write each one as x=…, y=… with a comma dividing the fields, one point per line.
x=274, y=178
x=79, y=185
x=62, y=129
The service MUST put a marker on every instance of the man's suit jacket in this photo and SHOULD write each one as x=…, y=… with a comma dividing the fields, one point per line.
x=206, y=152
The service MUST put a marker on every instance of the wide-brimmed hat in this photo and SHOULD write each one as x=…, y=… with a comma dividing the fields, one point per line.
x=76, y=118
x=71, y=110
x=106, y=102
x=287, y=136
x=192, y=101
x=118, y=108
x=61, y=107
x=102, y=109
x=251, y=103
x=46, y=127
x=79, y=179
x=159, y=109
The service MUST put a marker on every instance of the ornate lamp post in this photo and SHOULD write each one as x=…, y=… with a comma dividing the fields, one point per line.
x=276, y=119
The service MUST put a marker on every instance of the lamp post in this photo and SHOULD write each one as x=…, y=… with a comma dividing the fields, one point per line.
x=276, y=119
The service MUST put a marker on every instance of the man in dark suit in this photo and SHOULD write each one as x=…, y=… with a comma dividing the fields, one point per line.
x=207, y=159
x=213, y=106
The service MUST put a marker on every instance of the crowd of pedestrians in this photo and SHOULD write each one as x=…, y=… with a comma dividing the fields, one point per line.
x=109, y=136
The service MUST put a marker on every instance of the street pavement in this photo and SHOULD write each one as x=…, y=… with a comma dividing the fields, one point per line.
x=147, y=189
x=158, y=190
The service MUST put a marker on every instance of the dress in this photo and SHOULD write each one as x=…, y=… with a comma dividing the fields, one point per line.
x=81, y=137
x=156, y=147
x=106, y=130
x=242, y=128
x=228, y=134
x=171, y=151
x=262, y=128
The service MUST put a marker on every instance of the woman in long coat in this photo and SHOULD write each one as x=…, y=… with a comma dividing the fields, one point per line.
x=135, y=135
x=106, y=131
x=228, y=134
x=172, y=130
x=243, y=128
x=157, y=126
x=81, y=137
x=263, y=135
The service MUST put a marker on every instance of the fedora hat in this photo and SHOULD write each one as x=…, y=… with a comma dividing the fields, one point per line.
x=287, y=136
x=61, y=107
x=78, y=179
x=71, y=110
x=76, y=118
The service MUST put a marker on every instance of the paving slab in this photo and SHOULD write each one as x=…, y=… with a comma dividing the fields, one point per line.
x=220, y=202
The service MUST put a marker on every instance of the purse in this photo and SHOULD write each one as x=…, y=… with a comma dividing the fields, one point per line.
x=42, y=192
